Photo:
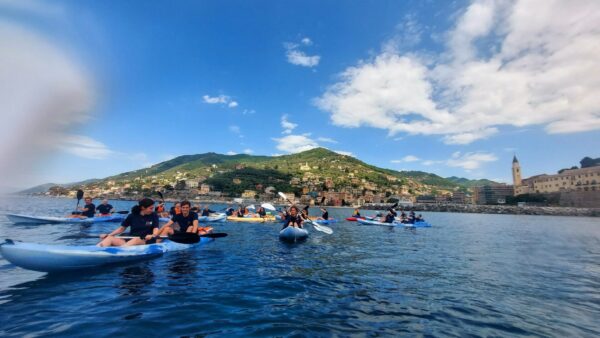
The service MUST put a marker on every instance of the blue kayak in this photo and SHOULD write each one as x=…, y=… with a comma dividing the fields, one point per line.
x=201, y=219
x=55, y=258
x=20, y=219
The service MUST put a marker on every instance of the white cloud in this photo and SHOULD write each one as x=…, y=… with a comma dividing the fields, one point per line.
x=470, y=161
x=306, y=41
x=43, y=93
x=248, y=151
x=407, y=158
x=295, y=143
x=326, y=140
x=216, y=99
x=231, y=153
x=297, y=57
x=342, y=152
x=220, y=99
x=85, y=147
x=248, y=111
x=234, y=129
x=287, y=126
x=517, y=63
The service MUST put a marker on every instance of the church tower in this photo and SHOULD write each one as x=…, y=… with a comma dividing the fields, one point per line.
x=516, y=172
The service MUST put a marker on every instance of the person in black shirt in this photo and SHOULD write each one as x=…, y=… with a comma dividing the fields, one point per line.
x=206, y=211
x=142, y=223
x=105, y=209
x=186, y=221
x=88, y=210
x=261, y=212
x=293, y=219
x=390, y=217
x=325, y=215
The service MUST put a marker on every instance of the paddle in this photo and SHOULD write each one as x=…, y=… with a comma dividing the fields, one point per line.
x=79, y=197
x=122, y=212
x=268, y=206
x=177, y=237
x=317, y=227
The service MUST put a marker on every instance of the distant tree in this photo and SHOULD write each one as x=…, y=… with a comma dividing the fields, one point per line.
x=256, y=197
x=388, y=194
x=168, y=187
x=587, y=162
x=392, y=200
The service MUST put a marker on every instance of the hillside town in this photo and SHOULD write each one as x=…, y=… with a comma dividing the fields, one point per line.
x=577, y=187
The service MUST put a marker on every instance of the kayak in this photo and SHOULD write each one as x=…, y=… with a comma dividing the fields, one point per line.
x=54, y=258
x=353, y=219
x=293, y=234
x=250, y=219
x=372, y=222
x=213, y=218
x=421, y=224
x=16, y=218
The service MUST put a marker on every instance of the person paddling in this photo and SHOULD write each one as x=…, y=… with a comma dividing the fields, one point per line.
x=356, y=213
x=206, y=211
x=143, y=224
x=187, y=221
x=293, y=219
x=87, y=211
x=325, y=215
x=105, y=209
x=390, y=217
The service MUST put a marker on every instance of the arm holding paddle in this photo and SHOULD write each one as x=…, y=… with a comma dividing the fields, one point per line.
x=317, y=226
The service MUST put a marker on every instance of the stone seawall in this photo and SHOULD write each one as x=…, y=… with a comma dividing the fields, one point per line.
x=496, y=209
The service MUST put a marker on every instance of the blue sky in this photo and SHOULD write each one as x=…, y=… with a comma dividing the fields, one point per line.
x=450, y=88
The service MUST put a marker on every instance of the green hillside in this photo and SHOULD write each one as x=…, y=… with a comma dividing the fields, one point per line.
x=316, y=170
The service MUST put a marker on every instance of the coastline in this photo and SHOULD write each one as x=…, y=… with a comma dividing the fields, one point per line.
x=496, y=209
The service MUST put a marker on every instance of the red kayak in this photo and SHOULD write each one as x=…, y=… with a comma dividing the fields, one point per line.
x=353, y=219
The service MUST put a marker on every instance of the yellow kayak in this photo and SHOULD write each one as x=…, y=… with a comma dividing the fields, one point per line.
x=250, y=219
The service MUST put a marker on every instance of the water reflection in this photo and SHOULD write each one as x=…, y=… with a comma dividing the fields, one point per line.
x=136, y=280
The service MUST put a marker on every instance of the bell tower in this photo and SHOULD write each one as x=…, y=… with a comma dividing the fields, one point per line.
x=516, y=172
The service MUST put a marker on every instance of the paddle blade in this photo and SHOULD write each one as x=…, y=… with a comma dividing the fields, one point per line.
x=282, y=195
x=394, y=205
x=160, y=195
x=268, y=206
x=79, y=194
x=322, y=228
x=122, y=212
x=322, y=200
x=185, y=238
x=215, y=235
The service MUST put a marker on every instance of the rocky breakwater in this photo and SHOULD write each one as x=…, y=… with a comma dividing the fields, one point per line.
x=496, y=209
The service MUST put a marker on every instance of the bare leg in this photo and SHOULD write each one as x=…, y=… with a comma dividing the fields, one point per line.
x=135, y=241
x=111, y=241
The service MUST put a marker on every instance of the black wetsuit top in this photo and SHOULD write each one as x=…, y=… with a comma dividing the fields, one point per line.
x=141, y=225
x=294, y=220
x=207, y=212
x=104, y=209
x=389, y=218
x=91, y=210
x=325, y=215
x=185, y=222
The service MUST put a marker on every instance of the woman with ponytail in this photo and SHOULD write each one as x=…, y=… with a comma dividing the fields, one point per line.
x=143, y=223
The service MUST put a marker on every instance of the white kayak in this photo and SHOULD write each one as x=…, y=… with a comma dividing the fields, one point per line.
x=292, y=234
x=16, y=218
x=213, y=218
x=54, y=258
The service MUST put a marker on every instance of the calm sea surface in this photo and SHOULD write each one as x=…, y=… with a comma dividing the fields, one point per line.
x=470, y=274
